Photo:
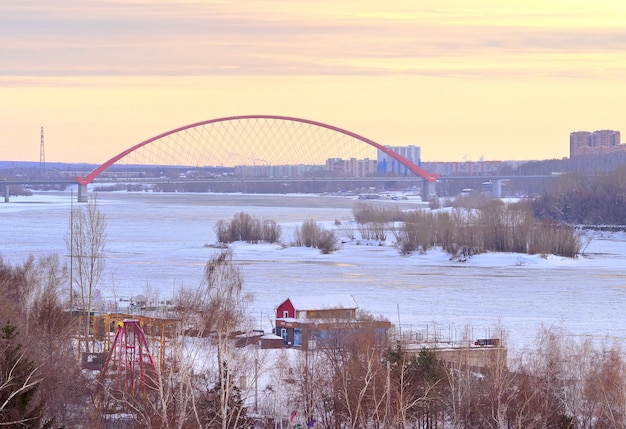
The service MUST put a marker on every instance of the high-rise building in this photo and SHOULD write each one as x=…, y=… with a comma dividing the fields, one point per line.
x=387, y=164
x=595, y=143
x=605, y=138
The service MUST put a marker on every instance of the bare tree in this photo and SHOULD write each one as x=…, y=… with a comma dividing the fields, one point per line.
x=217, y=310
x=605, y=387
x=349, y=381
x=498, y=391
x=30, y=298
x=50, y=328
x=85, y=242
x=17, y=288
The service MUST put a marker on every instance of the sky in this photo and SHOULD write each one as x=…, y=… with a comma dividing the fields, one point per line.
x=491, y=79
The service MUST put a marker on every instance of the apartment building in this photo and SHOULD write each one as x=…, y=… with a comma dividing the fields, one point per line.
x=595, y=143
x=387, y=164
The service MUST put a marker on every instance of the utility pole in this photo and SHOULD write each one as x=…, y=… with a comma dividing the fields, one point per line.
x=71, y=251
x=256, y=384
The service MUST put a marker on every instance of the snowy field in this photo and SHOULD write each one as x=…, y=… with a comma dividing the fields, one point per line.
x=157, y=243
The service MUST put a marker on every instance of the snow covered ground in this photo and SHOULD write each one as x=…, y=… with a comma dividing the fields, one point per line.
x=158, y=242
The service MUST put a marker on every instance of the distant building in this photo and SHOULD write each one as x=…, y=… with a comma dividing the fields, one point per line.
x=595, y=143
x=466, y=168
x=276, y=171
x=322, y=321
x=351, y=167
x=388, y=165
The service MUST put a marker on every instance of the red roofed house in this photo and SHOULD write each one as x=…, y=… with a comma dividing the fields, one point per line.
x=313, y=321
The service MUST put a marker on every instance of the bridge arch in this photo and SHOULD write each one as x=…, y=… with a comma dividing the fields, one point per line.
x=412, y=167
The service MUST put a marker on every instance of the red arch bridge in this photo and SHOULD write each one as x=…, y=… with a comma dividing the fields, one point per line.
x=259, y=146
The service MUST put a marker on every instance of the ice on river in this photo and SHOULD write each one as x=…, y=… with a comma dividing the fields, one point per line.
x=157, y=243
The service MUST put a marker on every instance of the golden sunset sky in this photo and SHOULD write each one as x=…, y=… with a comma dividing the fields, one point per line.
x=500, y=79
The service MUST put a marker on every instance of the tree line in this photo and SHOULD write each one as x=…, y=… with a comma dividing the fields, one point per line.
x=583, y=199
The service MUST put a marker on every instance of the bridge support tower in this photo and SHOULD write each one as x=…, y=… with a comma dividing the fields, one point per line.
x=82, y=193
x=7, y=193
x=429, y=190
x=496, y=191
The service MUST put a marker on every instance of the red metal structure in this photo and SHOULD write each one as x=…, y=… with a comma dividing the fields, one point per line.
x=412, y=167
x=130, y=350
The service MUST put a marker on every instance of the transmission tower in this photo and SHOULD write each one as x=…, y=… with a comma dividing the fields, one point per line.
x=42, y=153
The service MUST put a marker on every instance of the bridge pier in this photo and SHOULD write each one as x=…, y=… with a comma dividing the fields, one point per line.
x=7, y=192
x=82, y=194
x=496, y=190
x=429, y=190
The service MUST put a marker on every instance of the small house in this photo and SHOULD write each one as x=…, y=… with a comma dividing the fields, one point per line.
x=323, y=321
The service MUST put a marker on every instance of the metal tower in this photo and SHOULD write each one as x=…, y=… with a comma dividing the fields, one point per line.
x=132, y=353
x=42, y=152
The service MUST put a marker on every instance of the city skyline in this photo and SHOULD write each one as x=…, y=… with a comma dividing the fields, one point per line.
x=501, y=81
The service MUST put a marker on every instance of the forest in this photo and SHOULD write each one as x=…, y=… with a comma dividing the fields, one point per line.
x=583, y=199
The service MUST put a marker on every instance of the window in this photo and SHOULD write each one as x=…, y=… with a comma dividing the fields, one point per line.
x=297, y=337
x=283, y=333
x=285, y=313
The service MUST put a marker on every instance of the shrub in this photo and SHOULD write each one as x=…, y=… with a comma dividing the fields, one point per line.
x=271, y=231
x=505, y=228
x=434, y=203
x=549, y=237
x=374, y=221
x=308, y=234
x=373, y=231
x=244, y=227
x=313, y=235
x=347, y=229
x=496, y=228
x=416, y=232
x=222, y=231
x=327, y=242
x=368, y=213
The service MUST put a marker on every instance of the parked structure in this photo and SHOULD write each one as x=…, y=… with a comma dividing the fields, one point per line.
x=324, y=321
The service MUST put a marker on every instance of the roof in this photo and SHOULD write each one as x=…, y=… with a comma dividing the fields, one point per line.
x=323, y=302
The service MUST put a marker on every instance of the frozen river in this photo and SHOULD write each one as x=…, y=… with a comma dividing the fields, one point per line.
x=158, y=242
